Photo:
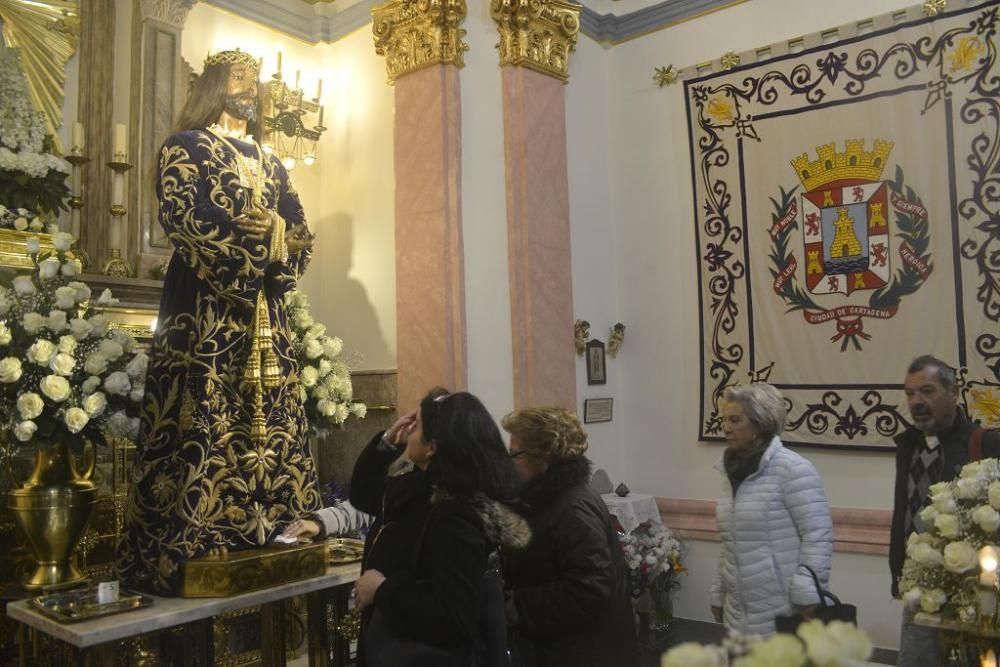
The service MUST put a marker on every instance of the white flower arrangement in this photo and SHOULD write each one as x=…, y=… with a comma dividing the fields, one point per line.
x=324, y=377
x=837, y=644
x=653, y=556
x=942, y=566
x=32, y=179
x=65, y=375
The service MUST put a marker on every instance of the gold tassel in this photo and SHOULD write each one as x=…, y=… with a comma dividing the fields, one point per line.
x=258, y=426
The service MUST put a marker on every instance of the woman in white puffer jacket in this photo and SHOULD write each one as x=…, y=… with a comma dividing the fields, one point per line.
x=773, y=520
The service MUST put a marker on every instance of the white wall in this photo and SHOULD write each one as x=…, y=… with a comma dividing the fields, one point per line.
x=654, y=244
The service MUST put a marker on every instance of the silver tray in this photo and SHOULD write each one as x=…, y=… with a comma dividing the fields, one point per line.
x=82, y=605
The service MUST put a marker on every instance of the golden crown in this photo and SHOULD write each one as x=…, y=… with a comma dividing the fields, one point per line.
x=235, y=57
x=855, y=162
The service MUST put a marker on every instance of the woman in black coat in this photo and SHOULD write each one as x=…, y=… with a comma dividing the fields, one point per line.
x=423, y=572
x=568, y=595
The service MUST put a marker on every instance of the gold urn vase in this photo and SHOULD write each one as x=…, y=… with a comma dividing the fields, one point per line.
x=52, y=508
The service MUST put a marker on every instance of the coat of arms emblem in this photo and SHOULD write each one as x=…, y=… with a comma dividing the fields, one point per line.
x=859, y=233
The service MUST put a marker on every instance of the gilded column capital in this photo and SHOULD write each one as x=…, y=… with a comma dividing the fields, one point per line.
x=412, y=34
x=538, y=34
x=173, y=12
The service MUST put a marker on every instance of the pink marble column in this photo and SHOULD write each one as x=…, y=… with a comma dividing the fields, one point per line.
x=538, y=236
x=430, y=273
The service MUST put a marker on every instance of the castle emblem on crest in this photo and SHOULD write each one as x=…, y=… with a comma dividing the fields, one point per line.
x=856, y=232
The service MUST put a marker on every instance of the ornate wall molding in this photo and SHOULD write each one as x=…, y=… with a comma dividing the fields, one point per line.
x=174, y=12
x=538, y=34
x=413, y=34
x=860, y=531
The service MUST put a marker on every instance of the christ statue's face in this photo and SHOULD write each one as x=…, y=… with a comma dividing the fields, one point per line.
x=241, y=93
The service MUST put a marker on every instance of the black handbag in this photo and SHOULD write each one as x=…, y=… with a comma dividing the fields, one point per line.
x=834, y=610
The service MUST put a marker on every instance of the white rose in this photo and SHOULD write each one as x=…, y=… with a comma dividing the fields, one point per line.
x=90, y=384
x=342, y=413
x=994, y=494
x=5, y=334
x=32, y=245
x=10, y=370
x=911, y=598
x=80, y=328
x=57, y=321
x=4, y=302
x=932, y=600
x=326, y=407
x=321, y=392
x=303, y=320
x=926, y=555
x=133, y=428
x=691, y=654
x=123, y=338
x=76, y=419
x=110, y=349
x=33, y=322
x=48, y=269
x=51, y=228
x=324, y=367
x=117, y=425
x=100, y=324
x=81, y=289
x=948, y=525
x=36, y=225
x=62, y=241
x=973, y=469
x=21, y=224
x=41, y=352
x=853, y=644
x=968, y=487
x=106, y=299
x=62, y=364
x=928, y=514
x=24, y=285
x=71, y=268
x=309, y=376
x=313, y=349
x=332, y=346
x=117, y=384
x=945, y=503
x=359, y=410
x=316, y=330
x=65, y=297
x=25, y=431
x=30, y=405
x=138, y=366
x=960, y=557
x=66, y=344
x=986, y=518
x=95, y=404
x=55, y=387
x=137, y=394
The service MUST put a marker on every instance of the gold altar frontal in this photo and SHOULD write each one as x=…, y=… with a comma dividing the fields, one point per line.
x=251, y=570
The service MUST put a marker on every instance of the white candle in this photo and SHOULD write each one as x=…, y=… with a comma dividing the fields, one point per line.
x=78, y=138
x=320, y=116
x=121, y=142
x=279, y=64
x=319, y=89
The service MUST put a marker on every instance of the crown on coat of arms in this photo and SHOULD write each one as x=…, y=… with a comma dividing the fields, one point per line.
x=234, y=57
x=855, y=162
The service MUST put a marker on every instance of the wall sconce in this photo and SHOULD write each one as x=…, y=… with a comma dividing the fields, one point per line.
x=616, y=336
x=581, y=332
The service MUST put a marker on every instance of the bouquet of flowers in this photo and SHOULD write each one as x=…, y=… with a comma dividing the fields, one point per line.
x=32, y=179
x=325, y=378
x=653, y=556
x=836, y=644
x=942, y=563
x=65, y=374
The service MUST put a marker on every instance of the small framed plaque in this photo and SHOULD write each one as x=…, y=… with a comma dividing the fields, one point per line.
x=597, y=410
x=596, y=370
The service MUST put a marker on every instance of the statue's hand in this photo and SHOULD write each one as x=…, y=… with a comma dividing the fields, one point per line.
x=299, y=238
x=255, y=222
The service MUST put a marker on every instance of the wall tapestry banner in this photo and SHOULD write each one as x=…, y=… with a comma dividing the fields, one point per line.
x=847, y=203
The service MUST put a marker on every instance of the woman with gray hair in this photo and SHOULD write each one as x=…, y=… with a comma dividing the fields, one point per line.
x=774, y=519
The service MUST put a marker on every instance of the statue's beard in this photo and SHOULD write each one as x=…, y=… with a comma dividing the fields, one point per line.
x=242, y=107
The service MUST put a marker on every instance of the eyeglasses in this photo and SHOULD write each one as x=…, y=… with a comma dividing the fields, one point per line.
x=514, y=455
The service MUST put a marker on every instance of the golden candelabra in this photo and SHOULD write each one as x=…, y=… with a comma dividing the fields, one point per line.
x=285, y=132
x=115, y=265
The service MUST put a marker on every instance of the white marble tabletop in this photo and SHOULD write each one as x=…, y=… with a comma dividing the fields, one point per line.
x=633, y=509
x=168, y=612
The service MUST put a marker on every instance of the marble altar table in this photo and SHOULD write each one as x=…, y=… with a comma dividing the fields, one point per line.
x=97, y=640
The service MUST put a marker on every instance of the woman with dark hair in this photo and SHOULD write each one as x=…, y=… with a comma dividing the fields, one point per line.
x=568, y=595
x=423, y=573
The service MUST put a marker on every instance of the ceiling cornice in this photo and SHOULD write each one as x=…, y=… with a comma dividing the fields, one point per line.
x=314, y=24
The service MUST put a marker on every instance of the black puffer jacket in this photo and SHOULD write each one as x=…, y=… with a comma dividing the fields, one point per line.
x=570, y=585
